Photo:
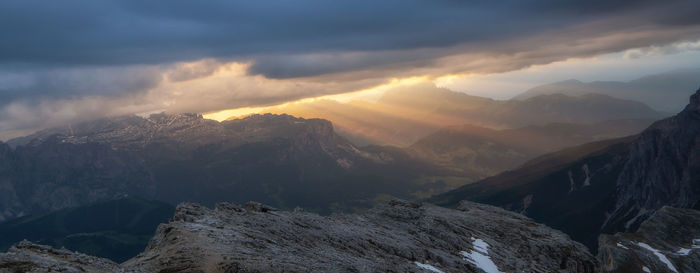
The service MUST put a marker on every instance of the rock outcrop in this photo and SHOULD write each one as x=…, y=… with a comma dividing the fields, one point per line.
x=397, y=236
x=394, y=237
x=29, y=257
x=669, y=241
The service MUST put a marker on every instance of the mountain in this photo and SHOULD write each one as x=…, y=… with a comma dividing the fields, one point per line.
x=396, y=236
x=669, y=241
x=665, y=91
x=602, y=187
x=404, y=115
x=482, y=152
x=278, y=159
x=116, y=229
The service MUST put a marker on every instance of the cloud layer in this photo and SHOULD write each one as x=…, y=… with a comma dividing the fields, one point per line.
x=107, y=57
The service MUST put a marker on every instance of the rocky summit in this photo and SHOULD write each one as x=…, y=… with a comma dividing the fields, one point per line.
x=396, y=236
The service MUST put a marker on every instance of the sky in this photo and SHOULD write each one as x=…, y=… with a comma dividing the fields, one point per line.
x=67, y=61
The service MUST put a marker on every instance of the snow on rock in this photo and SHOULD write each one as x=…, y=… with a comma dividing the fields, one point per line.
x=646, y=269
x=620, y=245
x=686, y=251
x=659, y=255
x=480, y=256
x=428, y=267
x=683, y=251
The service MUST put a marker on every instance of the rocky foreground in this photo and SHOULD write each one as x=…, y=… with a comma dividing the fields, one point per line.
x=394, y=237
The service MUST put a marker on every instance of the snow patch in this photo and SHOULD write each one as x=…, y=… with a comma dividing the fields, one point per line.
x=659, y=255
x=428, y=267
x=587, y=182
x=480, y=256
x=686, y=251
x=646, y=269
x=683, y=251
x=571, y=182
x=620, y=245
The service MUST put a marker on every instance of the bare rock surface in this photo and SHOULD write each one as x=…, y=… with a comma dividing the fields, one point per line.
x=669, y=241
x=29, y=257
x=394, y=237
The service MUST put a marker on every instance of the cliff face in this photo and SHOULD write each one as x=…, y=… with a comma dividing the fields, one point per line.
x=663, y=169
x=394, y=237
x=669, y=241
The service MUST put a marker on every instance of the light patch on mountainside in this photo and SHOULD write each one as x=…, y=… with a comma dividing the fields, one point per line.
x=428, y=267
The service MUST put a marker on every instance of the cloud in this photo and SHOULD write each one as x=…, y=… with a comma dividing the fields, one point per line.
x=651, y=51
x=61, y=83
x=105, y=57
x=188, y=71
x=223, y=87
x=109, y=32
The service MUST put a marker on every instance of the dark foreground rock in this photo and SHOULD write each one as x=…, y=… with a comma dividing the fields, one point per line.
x=29, y=257
x=669, y=241
x=394, y=237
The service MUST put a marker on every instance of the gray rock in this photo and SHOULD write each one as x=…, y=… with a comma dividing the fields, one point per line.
x=29, y=257
x=394, y=237
x=669, y=241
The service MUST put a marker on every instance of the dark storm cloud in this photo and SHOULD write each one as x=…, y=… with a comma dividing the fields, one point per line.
x=136, y=32
x=62, y=60
x=75, y=82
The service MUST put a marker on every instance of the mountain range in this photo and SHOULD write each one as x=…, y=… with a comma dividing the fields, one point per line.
x=404, y=115
x=602, y=187
x=282, y=160
x=609, y=185
x=667, y=92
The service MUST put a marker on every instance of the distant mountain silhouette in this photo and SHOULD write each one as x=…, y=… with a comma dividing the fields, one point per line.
x=666, y=92
x=404, y=115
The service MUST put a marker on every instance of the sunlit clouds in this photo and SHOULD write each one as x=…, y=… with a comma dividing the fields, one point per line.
x=82, y=61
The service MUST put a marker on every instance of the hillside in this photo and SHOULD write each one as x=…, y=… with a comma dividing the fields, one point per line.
x=480, y=151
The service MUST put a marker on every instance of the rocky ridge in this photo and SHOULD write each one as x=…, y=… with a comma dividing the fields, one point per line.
x=396, y=236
